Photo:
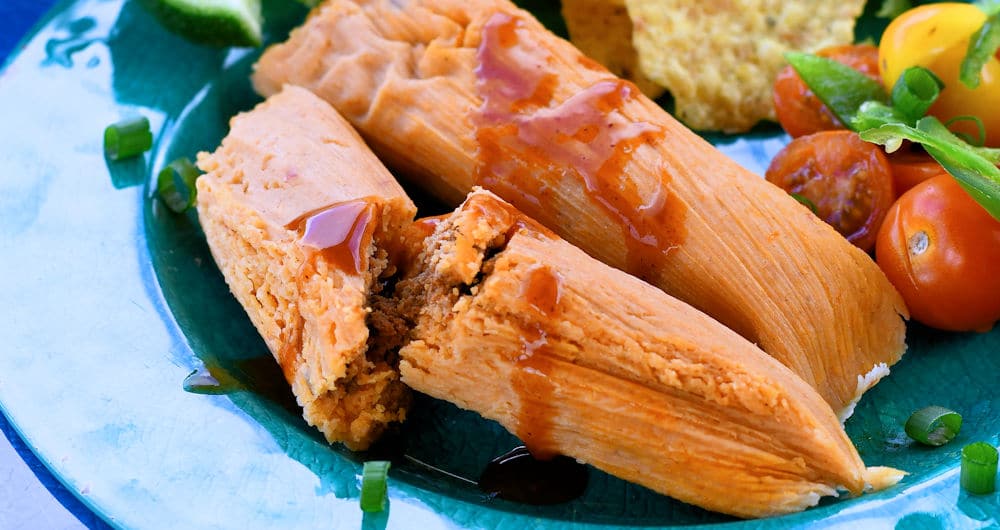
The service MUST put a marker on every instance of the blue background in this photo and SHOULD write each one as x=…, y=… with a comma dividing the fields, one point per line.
x=30, y=497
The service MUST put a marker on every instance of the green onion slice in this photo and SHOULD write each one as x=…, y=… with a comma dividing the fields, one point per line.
x=979, y=468
x=373, y=485
x=805, y=200
x=841, y=88
x=915, y=92
x=175, y=184
x=980, y=138
x=933, y=425
x=127, y=138
x=982, y=46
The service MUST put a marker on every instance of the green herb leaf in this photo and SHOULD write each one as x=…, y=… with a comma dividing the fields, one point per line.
x=175, y=184
x=915, y=92
x=982, y=46
x=873, y=114
x=933, y=425
x=841, y=88
x=975, y=168
x=892, y=8
x=979, y=468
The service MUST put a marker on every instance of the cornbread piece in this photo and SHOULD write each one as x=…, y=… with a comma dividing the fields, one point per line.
x=464, y=92
x=602, y=30
x=581, y=359
x=720, y=59
x=295, y=209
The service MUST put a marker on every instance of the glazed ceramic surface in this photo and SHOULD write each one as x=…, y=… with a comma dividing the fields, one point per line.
x=109, y=301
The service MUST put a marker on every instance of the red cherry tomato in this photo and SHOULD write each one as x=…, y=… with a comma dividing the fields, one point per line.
x=941, y=249
x=911, y=168
x=846, y=178
x=798, y=110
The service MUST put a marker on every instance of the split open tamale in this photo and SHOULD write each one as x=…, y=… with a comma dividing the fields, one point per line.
x=458, y=93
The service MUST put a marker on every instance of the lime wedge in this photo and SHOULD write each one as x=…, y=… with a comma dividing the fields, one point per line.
x=212, y=22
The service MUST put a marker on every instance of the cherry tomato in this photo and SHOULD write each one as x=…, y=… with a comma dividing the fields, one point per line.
x=940, y=249
x=799, y=111
x=936, y=36
x=848, y=180
x=911, y=168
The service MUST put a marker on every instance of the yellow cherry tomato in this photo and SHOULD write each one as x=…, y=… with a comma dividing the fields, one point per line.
x=936, y=36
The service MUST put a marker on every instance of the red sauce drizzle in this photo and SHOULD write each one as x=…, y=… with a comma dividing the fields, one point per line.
x=517, y=476
x=340, y=234
x=510, y=67
x=542, y=290
x=529, y=143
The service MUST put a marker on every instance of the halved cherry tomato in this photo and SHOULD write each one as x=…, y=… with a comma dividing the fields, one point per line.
x=848, y=180
x=936, y=36
x=799, y=111
x=941, y=249
x=910, y=168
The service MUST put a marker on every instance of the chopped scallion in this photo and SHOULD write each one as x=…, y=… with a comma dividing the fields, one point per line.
x=980, y=138
x=933, y=425
x=979, y=468
x=915, y=92
x=175, y=184
x=127, y=138
x=982, y=46
x=805, y=200
x=374, y=487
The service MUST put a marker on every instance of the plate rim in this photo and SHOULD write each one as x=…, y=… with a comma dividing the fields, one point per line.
x=941, y=474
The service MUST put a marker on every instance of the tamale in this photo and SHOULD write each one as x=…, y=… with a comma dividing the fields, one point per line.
x=581, y=359
x=296, y=211
x=457, y=93
x=310, y=232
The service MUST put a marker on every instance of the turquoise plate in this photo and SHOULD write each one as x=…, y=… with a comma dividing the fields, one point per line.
x=109, y=302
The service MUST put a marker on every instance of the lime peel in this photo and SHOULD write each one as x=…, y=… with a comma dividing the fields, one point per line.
x=211, y=22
